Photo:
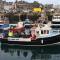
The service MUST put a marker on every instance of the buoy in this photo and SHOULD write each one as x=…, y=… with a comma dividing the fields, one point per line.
x=10, y=34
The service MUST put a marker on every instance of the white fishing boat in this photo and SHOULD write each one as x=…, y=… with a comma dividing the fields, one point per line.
x=49, y=33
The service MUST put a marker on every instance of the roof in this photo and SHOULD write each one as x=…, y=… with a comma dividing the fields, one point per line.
x=46, y=27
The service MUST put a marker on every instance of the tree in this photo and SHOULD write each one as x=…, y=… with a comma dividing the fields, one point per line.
x=12, y=18
x=49, y=15
x=35, y=2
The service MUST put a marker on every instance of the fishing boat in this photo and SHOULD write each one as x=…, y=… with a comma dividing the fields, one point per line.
x=26, y=34
x=50, y=32
x=3, y=25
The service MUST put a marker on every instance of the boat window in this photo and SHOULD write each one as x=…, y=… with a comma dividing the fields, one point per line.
x=42, y=31
x=28, y=26
x=55, y=26
x=55, y=31
x=47, y=31
x=56, y=17
x=55, y=22
x=37, y=32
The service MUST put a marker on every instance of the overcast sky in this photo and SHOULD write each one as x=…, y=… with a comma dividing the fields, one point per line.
x=42, y=1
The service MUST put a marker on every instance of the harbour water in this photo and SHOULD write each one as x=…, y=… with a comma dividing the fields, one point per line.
x=17, y=52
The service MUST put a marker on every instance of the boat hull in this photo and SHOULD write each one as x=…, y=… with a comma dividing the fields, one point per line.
x=40, y=41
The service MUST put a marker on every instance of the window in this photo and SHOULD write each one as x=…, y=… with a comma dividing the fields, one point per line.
x=55, y=31
x=37, y=32
x=42, y=31
x=47, y=31
x=55, y=22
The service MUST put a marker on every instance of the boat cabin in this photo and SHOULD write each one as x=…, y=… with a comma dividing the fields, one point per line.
x=27, y=23
x=42, y=30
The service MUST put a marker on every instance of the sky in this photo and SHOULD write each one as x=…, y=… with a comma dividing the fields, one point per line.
x=55, y=2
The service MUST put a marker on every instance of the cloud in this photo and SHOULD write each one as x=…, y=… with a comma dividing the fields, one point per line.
x=46, y=1
x=42, y=1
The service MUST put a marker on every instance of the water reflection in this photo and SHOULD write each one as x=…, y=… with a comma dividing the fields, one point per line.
x=31, y=53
